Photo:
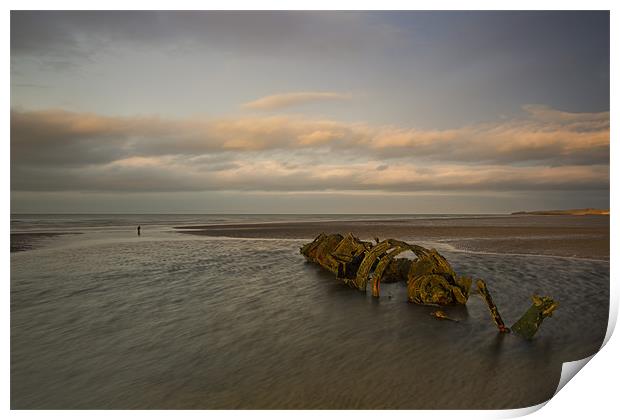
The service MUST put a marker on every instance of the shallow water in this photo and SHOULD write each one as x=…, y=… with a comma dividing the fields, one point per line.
x=107, y=319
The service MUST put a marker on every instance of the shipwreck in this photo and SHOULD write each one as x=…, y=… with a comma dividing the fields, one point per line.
x=429, y=277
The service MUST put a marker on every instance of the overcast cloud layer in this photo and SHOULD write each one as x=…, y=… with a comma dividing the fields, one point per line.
x=379, y=104
x=65, y=151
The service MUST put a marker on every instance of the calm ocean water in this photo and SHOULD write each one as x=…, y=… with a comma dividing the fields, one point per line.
x=107, y=319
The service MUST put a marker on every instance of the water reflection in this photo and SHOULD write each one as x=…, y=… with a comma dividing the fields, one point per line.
x=247, y=324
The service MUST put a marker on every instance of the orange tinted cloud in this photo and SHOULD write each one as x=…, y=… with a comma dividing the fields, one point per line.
x=284, y=100
x=547, y=149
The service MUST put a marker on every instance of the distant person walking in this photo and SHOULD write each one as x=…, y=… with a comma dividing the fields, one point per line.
x=138, y=230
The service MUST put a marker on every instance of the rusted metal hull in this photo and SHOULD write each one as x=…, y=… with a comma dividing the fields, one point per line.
x=430, y=278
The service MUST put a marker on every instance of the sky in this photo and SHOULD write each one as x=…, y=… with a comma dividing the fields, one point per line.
x=309, y=112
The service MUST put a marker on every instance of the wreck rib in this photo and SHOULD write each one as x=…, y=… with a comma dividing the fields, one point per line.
x=385, y=261
x=484, y=292
x=371, y=257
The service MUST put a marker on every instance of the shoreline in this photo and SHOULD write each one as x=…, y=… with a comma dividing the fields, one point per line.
x=583, y=237
x=560, y=236
x=28, y=241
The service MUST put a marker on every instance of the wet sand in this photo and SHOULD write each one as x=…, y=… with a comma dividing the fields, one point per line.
x=27, y=241
x=107, y=320
x=566, y=236
x=191, y=323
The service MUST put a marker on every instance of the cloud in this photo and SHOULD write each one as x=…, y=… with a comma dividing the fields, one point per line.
x=56, y=150
x=174, y=174
x=546, y=113
x=284, y=100
x=56, y=136
x=70, y=37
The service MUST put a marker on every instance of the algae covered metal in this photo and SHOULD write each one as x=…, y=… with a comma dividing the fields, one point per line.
x=430, y=278
x=542, y=307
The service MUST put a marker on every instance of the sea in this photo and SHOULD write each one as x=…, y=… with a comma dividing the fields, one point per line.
x=102, y=318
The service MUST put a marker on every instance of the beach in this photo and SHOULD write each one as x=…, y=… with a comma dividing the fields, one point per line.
x=232, y=316
x=25, y=241
x=567, y=236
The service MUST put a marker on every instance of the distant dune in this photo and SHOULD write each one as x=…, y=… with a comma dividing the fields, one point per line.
x=571, y=212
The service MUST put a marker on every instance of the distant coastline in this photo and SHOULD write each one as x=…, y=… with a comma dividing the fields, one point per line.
x=571, y=212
